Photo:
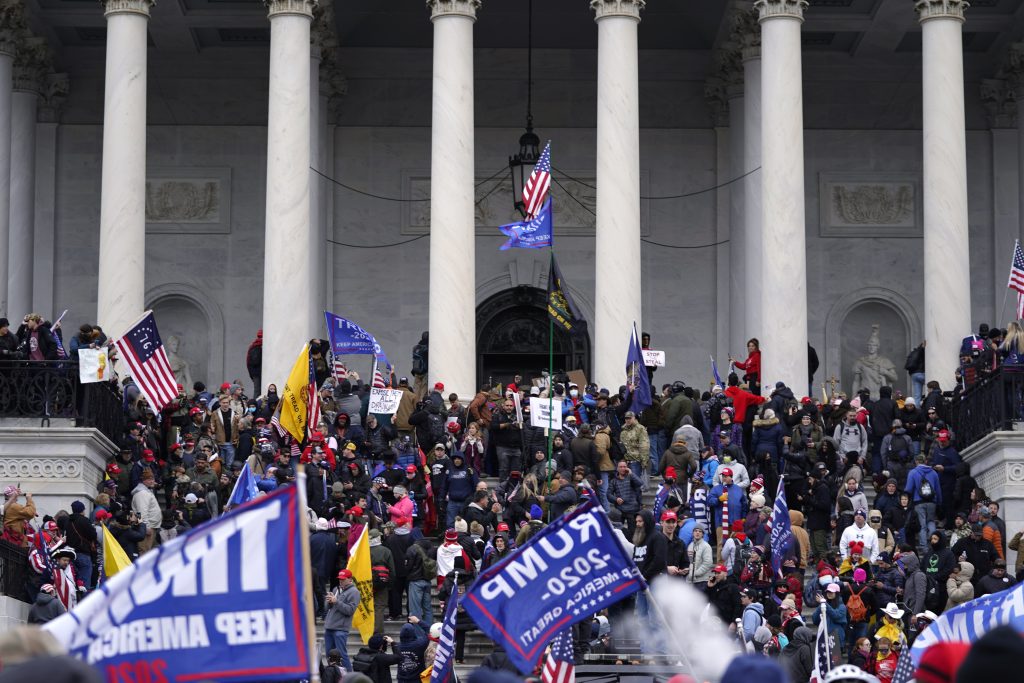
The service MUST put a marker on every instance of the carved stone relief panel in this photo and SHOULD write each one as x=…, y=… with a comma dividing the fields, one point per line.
x=866, y=204
x=188, y=200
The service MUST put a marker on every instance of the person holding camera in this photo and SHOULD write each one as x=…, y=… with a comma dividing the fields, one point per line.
x=373, y=658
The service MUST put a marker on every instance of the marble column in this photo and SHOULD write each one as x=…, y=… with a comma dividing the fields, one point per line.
x=752, y=253
x=452, y=307
x=122, y=264
x=947, y=264
x=783, y=286
x=737, y=223
x=287, y=290
x=23, y=195
x=619, y=267
x=317, y=243
x=6, y=80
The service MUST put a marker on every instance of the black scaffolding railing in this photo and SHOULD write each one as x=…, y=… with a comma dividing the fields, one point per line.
x=14, y=572
x=990, y=405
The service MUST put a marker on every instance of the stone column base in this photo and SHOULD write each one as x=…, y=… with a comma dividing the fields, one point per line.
x=997, y=464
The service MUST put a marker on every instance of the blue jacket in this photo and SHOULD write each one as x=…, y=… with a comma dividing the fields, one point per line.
x=737, y=503
x=837, y=619
x=949, y=459
x=461, y=483
x=914, y=484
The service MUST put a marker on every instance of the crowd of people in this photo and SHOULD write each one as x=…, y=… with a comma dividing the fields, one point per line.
x=889, y=527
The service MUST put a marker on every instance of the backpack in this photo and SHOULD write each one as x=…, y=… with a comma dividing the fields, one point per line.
x=429, y=563
x=901, y=452
x=363, y=662
x=925, y=491
x=419, y=360
x=856, y=607
x=435, y=423
x=381, y=576
x=743, y=552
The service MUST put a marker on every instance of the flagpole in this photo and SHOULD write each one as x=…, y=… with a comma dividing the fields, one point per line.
x=314, y=665
x=551, y=383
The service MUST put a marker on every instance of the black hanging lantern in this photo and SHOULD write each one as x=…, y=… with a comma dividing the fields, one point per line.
x=521, y=165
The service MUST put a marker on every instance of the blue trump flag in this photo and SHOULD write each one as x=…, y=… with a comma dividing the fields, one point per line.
x=531, y=234
x=347, y=337
x=569, y=570
x=636, y=376
x=223, y=602
x=444, y=657
x=781, y=532
x=245, y=487
x=968, y=622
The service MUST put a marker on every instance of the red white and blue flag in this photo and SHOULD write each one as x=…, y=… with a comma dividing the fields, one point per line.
x=822, y=651
x=536, y=189
x=1016, y=282
x=143, y=352
x=312, y=401
x=560, y=666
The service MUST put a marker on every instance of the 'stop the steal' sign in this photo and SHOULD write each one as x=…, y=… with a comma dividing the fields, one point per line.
x=569, y=570
x=180, y=610
x=384, y=401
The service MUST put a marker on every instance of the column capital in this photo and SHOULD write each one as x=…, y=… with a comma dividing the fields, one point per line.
x=1000, y=102
x=127, y=7
x=13, y=23
x=279, y=7
x=940, y=9
x=771, y=9
x=32, y=63
x=617, y=8
x=51, y=99
x=716, y=95
x=444, y=8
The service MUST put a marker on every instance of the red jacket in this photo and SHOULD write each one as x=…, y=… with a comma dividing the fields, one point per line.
x=741, y=400
x=752, y=365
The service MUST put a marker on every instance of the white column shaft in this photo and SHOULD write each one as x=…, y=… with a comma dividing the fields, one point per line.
x=122, y=282
x=947, y=281
x=752, y=254
x=6, y=80
x=738, y=293
x=617, y=302
x=23, y=203
x=317, y=241
x=783, y=290
x=287, y=322
x=452, y=307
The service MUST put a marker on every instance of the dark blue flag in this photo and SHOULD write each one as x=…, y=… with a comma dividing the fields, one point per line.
x=531, y=234
x=968, y=622
x=781, y=532
x=636, y=376
x=444, y=657
x=347, y=337
x=714, y=371
x=569, y=570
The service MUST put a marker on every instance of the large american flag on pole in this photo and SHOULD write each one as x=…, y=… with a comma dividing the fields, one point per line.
x=143, y=352
x=312, y=400
x=560, y=666
x=536, y=189
x=1016, y=282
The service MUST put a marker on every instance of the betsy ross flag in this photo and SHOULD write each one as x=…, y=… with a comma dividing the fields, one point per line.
x=822, y=651
x=143, y=352
x=536, y=189
x=560, y=666
x=1016, y=282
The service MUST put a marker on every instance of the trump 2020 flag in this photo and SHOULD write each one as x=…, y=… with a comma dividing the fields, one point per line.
x=233, y=585
x=968, y=622
x=636, y=376
x=347, y=337
x=570, y=569
x=781, y=532
x=532, y=234
x=245, y=487
x=444, y=657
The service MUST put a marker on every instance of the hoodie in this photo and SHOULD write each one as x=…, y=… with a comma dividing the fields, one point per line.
x=46, y=608
x=651, y=555
x=797, y=657
x=959, y=587
x=803, y=539
x=753, y=618
x=413, y=642
x=916, y=583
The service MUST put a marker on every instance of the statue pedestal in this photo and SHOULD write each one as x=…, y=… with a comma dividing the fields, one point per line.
x=997, y=464
x=57, y=465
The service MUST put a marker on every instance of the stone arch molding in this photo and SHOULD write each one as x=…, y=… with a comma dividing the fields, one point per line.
x=851, y=300
x=209, y=308
x=536, y=275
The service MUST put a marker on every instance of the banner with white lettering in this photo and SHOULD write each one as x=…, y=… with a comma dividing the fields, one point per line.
x=570, y=569
x=653, y=359
x=222, y=602
x=968, y=622
x=384, y=401
x=540, y=415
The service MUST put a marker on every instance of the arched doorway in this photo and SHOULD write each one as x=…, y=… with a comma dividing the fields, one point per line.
x=512, y=338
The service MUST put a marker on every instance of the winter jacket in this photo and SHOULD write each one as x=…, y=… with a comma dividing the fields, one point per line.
x=339, y=615
x=45, y=608
x=797, y=658
x=882, y=412
x=796, y=522
x=915, y=585
x=679, y=457
x=675, y=409
x=460, y=483
x=413, y=643
x=738, y=504
x=603, y=446
x=701, y=565
x=651, y=555
x=584, y=453
x=851, y=438
x=630, y=489
x=145, y=505
x=819, y=507
x=561, y=500
x=919, y=474
x=959, y=587
x=980, y=554
x=767, y=438
x=837, y=617
x=636, y=444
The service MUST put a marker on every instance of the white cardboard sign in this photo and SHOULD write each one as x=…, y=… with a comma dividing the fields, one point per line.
x=93, y=365
x=384, y=401
x=539, y=413
x=653, y=358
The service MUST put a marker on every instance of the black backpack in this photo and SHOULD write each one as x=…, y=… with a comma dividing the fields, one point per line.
x=436, y=425
x=419, y=360
x=932, y=595
x=363, y=661
x=902, y=451
x=925, y=490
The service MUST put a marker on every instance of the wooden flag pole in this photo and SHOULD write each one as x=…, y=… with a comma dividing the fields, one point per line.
x=314, y=664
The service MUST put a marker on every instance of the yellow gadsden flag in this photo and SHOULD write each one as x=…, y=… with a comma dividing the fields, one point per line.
x=114, y=557
x=359, y=565
x=295, y=395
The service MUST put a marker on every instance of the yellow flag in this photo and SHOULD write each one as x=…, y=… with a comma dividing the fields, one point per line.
x=359, y=565
x=294, y=396
x=114, y=557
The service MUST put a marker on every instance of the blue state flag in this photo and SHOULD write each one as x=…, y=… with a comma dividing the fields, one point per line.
x=531, y=234
x=781, y=532
x=223, y=602
x=245, y=487
x=636, y=376
x=444, y=657
x=714, y=371
x=968, y=622
x=347, y=337
x=569, y=570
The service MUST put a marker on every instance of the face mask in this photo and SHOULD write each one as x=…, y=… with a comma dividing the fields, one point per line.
x=574, y=393
x=252, y=410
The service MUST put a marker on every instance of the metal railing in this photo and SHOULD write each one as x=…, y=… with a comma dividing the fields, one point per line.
x=50, y=389
x=990, y=405
x=14, y=572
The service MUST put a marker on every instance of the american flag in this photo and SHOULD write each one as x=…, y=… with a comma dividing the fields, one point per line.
x=904, y=666
x=1016, y=282
x=536, y=189
x=312, y=400
x=822, y=651
x=40, y=558
x=141, y=349
x=338, y=366
x=560, y=666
